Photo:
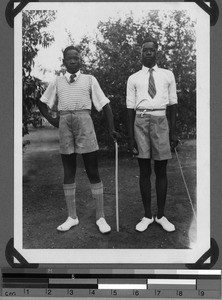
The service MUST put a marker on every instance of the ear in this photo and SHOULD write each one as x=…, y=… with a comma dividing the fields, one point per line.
x=141, y=52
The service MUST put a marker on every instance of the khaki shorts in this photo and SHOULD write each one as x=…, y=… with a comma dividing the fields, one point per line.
x=152, y=136
x=76, y=132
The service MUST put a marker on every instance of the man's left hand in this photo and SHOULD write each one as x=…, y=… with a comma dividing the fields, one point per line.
x=174, y=141
x=114, y=135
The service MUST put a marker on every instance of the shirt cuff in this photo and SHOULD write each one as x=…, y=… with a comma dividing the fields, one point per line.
x=102, y=104
x=45, y=100
x=173, y=102
x=130, y=106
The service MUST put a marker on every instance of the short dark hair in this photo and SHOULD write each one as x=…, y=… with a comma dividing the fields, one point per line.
x=70, y=48
x=150, y=39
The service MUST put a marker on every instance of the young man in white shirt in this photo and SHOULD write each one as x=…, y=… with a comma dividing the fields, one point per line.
x=74, y=94
x=149, y=92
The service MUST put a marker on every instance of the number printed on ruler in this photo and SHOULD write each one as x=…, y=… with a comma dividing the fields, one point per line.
x=26, y=291
x=70, y=292
x=48, y=292
x=180, y=293
x=92, y=292
x=136, y=293
x=201, y=293
x=114, y=293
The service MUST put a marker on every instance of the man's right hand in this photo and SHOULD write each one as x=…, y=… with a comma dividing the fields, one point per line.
x=133, y=149
x=54, y=121
x=44, y=111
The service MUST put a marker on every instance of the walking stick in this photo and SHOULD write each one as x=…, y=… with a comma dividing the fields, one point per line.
x=181, y=171
x=116, y=185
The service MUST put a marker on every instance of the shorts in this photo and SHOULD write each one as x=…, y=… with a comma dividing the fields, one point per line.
x=76, y=132
x=152, y=136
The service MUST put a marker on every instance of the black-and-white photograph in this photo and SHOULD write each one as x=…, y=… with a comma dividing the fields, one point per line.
x=112, y=132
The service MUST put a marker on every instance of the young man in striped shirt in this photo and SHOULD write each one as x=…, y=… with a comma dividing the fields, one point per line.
x=149, y=92
x=74, y=94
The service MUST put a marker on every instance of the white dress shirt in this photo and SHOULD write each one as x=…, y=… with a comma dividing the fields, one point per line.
x=137, y=89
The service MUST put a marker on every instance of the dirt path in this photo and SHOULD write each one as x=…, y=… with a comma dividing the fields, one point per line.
x=44, y=205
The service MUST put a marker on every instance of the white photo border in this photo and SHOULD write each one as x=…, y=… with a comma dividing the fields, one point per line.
x=125, y=256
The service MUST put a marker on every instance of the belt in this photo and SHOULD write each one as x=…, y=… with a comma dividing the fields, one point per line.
x=80, y=111
x=148, y=111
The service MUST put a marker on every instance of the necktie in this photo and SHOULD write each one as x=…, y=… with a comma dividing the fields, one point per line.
x=152, y=87
x=72, y=78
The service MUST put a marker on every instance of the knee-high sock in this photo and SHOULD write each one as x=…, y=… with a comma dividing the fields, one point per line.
x=70, y=191
x=97, y=193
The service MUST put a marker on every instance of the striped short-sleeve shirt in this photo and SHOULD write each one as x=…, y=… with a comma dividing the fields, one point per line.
x=76, y=95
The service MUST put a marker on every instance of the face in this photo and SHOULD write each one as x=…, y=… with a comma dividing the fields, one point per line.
x=149, y=52
x=72, y=61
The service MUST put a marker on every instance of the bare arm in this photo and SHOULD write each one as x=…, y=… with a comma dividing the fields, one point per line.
x=44, y=111
x=109, y=117
x=172, y=125
x=130, y=127
x=130, y=122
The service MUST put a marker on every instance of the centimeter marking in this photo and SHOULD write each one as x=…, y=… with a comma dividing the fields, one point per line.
x=119, y=283
x=159, y=293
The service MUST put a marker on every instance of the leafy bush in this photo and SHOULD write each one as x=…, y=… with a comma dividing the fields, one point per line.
x=117, y=56
x=33, y=34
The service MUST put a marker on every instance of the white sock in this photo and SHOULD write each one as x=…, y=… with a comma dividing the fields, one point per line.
x=70, y=191
x=97, y=193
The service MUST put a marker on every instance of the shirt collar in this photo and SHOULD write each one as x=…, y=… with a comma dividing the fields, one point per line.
x=67, y=75
x=146, y=70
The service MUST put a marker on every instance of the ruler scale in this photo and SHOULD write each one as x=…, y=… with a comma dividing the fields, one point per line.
x=116, y=283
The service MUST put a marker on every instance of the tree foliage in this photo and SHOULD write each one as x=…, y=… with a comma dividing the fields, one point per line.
x=118, y=54
x=113, y=55
x=34, y=34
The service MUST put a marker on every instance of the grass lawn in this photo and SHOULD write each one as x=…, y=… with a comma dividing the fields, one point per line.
x=44, y=205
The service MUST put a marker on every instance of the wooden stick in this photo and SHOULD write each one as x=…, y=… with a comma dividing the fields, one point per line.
x=116, y=185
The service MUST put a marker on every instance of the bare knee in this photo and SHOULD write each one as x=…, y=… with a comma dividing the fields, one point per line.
x=145, y=168
x=91, y=166
x=69, y=167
